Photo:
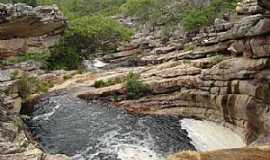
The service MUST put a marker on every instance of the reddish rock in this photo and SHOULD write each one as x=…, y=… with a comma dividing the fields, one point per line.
x=12, y=47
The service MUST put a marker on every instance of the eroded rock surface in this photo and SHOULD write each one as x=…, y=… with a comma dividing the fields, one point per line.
x=262, y=153
x=20, y=21
x=22, y=29
x=222, y=76
x=27, y=29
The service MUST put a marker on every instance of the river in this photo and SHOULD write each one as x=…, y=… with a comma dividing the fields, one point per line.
x=96, y=131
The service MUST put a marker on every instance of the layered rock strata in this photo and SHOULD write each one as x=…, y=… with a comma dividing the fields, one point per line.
x=22, y=28
x=222, y=76
x=27, y=29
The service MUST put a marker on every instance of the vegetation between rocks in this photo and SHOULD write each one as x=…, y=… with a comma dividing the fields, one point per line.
x=135, y=87
x=173, y=12
x=195, y=18
x=92, y=30
x=117, y=80
x=28, y=85
x=38, y=57
x=87, y=36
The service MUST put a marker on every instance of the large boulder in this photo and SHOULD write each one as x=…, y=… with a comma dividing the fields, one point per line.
x=21, y=21
x=27, y=29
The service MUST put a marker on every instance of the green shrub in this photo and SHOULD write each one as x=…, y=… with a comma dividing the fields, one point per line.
x=218, y=58
x=99, y=84
x=117, y=80
x=66, y=77
x=131, y=76
x=153, y=12
x=79, y=8
x=195, y=18
x=39, y=57
x=14, y=75
x=136, y=88
x=115, y=98
x=139, y=8
x=64, y=56
x=172, y=12
x=109, y=82
x=98, y=33
x=28, y=85
x=86, y=36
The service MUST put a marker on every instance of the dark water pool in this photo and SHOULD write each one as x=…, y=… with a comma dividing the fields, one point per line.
x=95, y=131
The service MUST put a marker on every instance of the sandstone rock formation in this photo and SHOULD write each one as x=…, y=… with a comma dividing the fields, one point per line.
x=15, y=141
x=27, y=29
x=222, y=75
x=261, y=153
x=23, y=28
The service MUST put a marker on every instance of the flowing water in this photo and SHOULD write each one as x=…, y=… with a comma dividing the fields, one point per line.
x=96, y=131
x=208, y=136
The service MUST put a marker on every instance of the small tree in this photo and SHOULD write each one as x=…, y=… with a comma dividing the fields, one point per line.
x=97, y=33
x=86, y=36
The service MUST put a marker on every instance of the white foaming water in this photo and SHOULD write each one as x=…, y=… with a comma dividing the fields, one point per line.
x=94, y=64
x=207, y=136
x=46, y=116
x=134, y=152
x=129, y=152
x=138, y=149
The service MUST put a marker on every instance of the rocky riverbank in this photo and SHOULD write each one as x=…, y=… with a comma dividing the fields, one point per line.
x=219, y=74
x=23, y=28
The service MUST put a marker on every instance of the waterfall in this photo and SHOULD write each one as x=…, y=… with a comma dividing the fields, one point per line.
x=207, y=136
x=94, y=130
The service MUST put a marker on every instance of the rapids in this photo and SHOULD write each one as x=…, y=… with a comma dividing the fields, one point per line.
x=95, y=131
x=207, y=136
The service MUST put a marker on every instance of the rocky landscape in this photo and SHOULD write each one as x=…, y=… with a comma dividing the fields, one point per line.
x=221, y=74
x=22, y=28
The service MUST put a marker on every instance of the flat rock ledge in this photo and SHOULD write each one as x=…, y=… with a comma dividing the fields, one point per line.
x=22, y=21
x=26, y=29
x=223, y=77
x=22, y=26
